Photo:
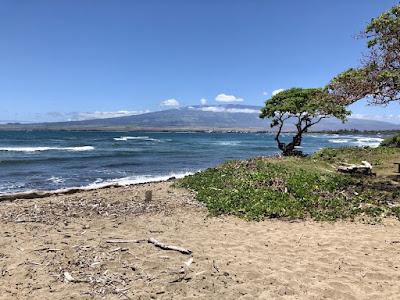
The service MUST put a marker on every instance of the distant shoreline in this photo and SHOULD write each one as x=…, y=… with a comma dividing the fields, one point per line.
x=19, y=128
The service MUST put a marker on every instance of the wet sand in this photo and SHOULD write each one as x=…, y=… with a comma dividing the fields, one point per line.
x=69, y=247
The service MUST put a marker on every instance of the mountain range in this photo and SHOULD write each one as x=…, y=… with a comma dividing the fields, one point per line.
x=231, y=117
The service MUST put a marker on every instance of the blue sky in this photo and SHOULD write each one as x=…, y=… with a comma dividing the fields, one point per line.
x=75, y=59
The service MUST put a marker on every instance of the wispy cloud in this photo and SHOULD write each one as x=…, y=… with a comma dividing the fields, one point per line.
x=81, y=116
x=107, y=114
x=228, y=98
x=392, y=118
x=170, y=103
x=220, y=109
x=274, y=92
x=203, y=101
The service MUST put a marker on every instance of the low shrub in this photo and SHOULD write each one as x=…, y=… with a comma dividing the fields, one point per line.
x=293, y=188
x=393, y=141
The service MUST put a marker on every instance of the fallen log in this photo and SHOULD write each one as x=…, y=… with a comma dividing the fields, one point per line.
x=364, y=168
x=169, y=247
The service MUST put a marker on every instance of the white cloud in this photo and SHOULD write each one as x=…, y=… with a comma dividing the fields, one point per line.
x=229, y=110
x=243, y=110
x=274, y=92
x=212, y=109
x=106, y=114
x=227, y=98
x=203, y=101
x=265, y=93
x=81, y=116
x=170, y=102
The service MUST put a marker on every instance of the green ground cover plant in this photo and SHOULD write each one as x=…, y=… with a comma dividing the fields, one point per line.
x=302, y=187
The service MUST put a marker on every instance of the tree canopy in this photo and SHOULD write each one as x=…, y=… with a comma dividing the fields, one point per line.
x=378, y=78
x=306, y=106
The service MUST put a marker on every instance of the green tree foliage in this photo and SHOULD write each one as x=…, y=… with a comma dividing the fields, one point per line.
x=378, y=78
x=306, y=107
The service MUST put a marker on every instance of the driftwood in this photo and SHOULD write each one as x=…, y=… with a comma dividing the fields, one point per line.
x=68, y=278
x=169, y=247
x=66, y=191
x=48, y=249
x=365, y=168
x=155, y=243
x=124, y=241
x=215, y=266
x=42, y=194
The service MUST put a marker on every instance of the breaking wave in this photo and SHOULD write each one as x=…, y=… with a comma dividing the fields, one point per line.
x=339, y=141
x=140, y=138
x=228, y=143
x=97, y=184
x=372, y=142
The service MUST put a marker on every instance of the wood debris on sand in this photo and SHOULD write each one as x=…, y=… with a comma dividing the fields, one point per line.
x=102, y=266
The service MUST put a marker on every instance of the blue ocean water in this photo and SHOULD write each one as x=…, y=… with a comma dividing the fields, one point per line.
x=31, y=161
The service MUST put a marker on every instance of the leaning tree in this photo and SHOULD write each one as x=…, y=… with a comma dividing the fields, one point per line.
x=378, y=77
x=306, y=107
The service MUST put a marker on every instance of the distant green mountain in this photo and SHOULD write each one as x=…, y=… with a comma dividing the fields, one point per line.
x=219, y=117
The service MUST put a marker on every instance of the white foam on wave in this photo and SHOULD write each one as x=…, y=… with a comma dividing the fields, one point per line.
x=56, y=179
x=127, y=138
x=339, y=141
x=140, y=138
x=99, y=183
x=370, y=142
x=38, y=149
x=359, y=141
x=228, y=143
x=324, y=135
x=78, y=149
x=131, y=180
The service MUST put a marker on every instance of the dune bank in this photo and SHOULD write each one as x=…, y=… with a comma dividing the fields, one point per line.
x=94, y=244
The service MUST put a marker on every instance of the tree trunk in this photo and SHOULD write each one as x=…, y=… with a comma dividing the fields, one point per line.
x=290, y=148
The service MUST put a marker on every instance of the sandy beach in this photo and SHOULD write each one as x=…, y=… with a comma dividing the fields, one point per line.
x=70, y=247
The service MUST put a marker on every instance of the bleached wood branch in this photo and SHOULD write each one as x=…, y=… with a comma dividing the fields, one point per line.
x=364, y=168
x=169, y=247
x=124, y=241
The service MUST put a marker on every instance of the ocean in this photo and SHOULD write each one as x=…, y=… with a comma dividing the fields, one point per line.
x=54, y=160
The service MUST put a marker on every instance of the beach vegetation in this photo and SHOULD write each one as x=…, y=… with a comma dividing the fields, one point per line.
x=393, y=141
x=301, y=187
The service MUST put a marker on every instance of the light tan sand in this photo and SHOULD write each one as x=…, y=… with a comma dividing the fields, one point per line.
x=232, y=259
